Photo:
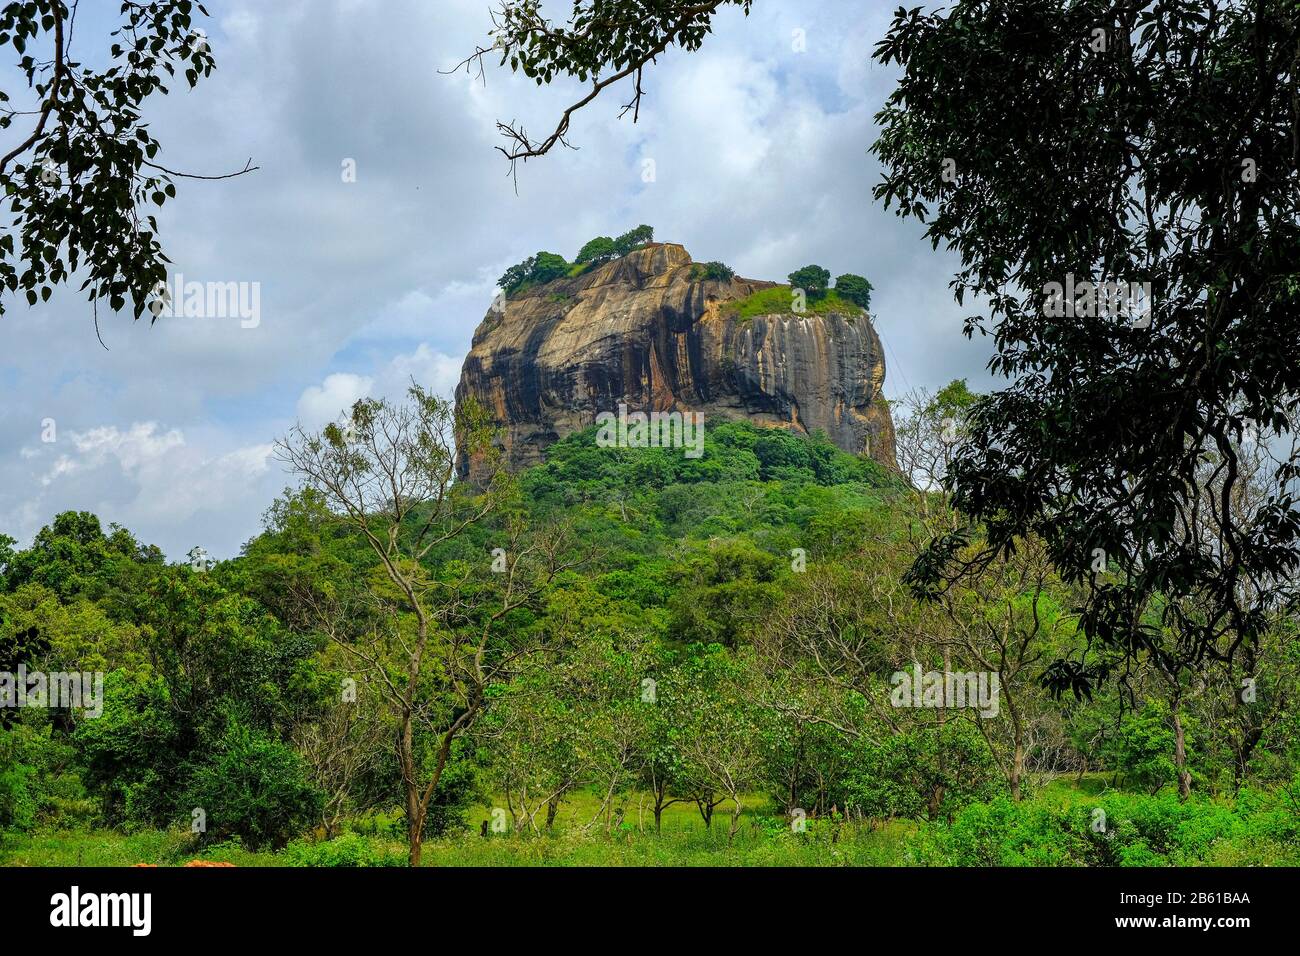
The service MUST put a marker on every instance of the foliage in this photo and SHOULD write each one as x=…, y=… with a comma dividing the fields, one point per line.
x=348, y=850
x=814, y=280
x=604, y=42
x=547, y=266
x=79, y=183
x=713, y=271
x=600, y=249
x=633, y=239
x=723, y=652
x=1115, y=830
x=855, y=289
x=780, y=300
x=1125, y=417
x=535, y=270
x=253, y=788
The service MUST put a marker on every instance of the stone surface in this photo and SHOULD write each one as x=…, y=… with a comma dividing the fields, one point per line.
x=645, y=331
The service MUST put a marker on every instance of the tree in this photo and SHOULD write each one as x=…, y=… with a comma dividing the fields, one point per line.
x=80, y=182
x=516, y=275
x=633, y=239
x=598, y=250
x=716, y=271
x=548, y=266
x=719, y=738
x=814, y=280
x=854, y=288
x=616, y=38
x=535, y=270
x=435, y=641
x=253, y=787
x=1137, y=256
x=343, y=751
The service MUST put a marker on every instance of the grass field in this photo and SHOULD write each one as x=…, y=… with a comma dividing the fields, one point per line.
x=684, y=841
x=1159, y=833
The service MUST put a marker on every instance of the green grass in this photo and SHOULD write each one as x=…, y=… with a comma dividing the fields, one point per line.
x=779, y=300
x=110, y=848
x=764, y=838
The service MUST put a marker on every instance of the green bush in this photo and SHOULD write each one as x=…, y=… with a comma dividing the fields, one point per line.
x=535, y=270
x=715, y=271
x=348, y=850
x=633, y=239
x=1117, y=829
x=855, y=289
x=548, y=266
x=255, y=788
x=1145, y=746
x=600, y=249
x=901, y=774
x=814, y=280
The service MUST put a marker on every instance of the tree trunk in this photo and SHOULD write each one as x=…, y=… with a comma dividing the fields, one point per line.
x=552, y=808
x=1180, y=755
x=414, y=815
x=706, y=811
x=1247, y=747
x=1017, y=770
x=735, y=821
x=415, y=836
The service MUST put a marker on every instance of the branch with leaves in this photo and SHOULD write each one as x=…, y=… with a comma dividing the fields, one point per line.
x=80, y=182
x=603, y=43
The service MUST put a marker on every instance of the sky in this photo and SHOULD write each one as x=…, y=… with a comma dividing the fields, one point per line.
x=760, y=147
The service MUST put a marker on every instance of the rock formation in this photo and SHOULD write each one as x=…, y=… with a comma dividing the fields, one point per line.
x=649, y=331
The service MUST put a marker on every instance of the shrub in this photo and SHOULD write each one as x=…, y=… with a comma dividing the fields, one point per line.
x=814, y=280
x=717, y=271
x=255, y=788
x=600, y=249
x=348, y=850
x=516, y=275
x=633, y=239
x=1117, y=829
x=900, y=774
x=548, y=266
x=855, y=289
x=1146, y=745
x=534, y=270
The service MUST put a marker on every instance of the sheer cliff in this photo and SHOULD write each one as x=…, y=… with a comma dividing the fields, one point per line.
x=649, y=331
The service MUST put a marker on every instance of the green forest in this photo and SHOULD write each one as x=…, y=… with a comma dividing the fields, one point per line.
x=622, y=656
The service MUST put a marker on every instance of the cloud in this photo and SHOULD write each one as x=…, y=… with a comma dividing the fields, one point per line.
x=761, y=160
x=324, y=403
x=434, y=370
x=145, y=475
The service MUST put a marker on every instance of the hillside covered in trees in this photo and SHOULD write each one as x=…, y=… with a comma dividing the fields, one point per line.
x=618, y=655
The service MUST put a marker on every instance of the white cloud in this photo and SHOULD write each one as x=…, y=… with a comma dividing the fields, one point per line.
x=762, y=161
x=434, y=370
x=324, y=403
x=145, y=476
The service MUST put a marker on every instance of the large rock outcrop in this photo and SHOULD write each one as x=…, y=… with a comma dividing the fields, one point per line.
x=646, y=330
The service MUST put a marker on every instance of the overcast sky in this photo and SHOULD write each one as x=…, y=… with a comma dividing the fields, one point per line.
x=761, y=161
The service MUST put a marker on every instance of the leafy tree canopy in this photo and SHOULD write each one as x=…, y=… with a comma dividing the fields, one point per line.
x=814, y=280
x=854, y=288
x=1137, y=258
x=83, y=173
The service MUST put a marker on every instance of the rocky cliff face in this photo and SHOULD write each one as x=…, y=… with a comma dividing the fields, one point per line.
x=647, y=331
